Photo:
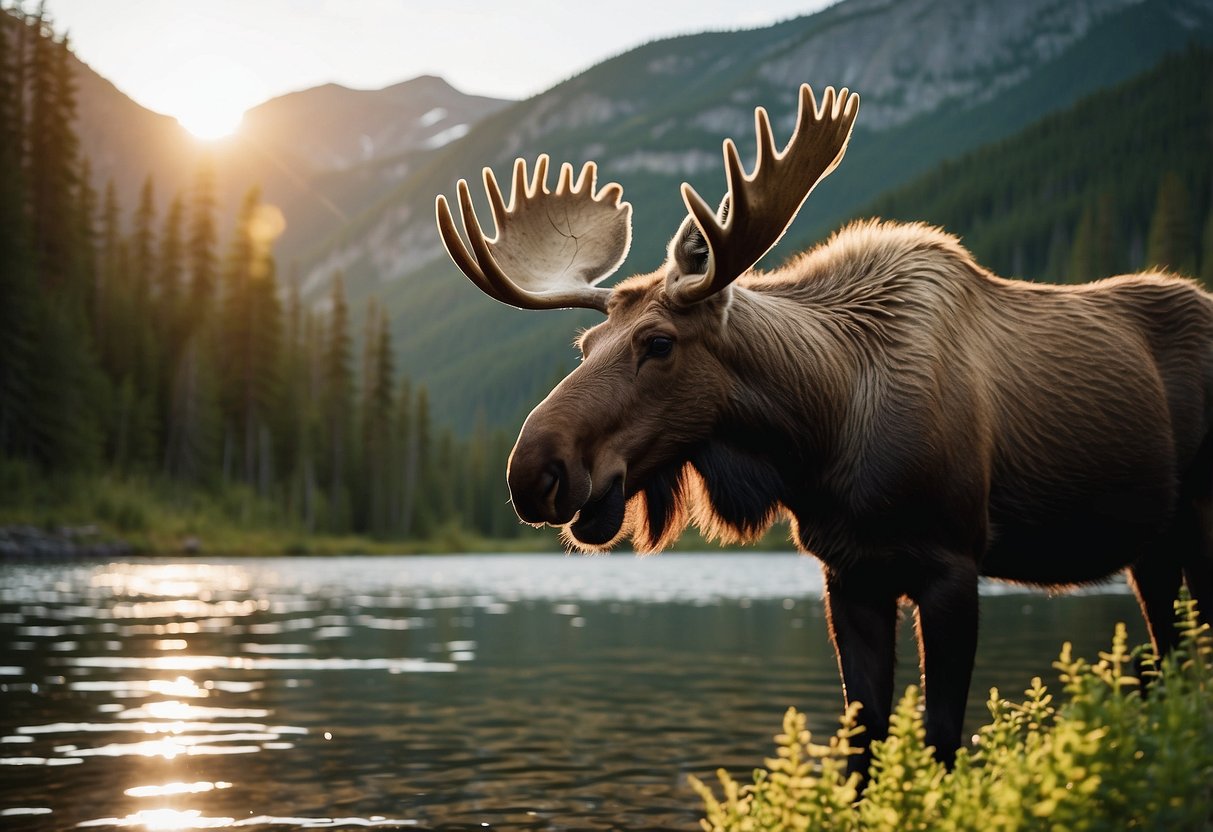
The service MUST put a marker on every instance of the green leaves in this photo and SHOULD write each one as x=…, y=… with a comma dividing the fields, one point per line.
x=1107, y=757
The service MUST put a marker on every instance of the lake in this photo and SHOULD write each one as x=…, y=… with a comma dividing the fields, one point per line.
x=453, y=692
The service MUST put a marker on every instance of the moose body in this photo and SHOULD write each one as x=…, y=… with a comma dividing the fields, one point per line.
x=919, y=420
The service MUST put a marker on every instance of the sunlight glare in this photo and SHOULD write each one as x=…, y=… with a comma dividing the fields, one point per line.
x=170, y=789
x=170, y=819
x=211, y=96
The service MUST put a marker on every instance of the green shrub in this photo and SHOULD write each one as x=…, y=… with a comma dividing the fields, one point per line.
x=1105, y=758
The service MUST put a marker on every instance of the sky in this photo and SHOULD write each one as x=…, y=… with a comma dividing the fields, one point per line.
x=206, y=61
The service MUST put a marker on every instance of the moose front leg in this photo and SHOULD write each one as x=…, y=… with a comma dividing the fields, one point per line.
x=947, y=643
x=863, y=627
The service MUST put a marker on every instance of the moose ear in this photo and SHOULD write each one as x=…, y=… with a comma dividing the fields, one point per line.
x=689, y=250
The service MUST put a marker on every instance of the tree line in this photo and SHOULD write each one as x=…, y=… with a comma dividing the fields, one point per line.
x=144, y=345
x=1120, y=182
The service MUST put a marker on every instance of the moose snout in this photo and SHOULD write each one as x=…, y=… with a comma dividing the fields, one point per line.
x=547, y=482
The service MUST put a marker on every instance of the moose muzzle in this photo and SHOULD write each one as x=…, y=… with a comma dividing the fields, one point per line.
x=548, y=481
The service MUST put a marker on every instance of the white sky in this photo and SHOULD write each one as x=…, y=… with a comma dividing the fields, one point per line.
x=166, y=54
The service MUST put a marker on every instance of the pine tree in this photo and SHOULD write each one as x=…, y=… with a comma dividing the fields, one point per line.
x=52, y=154
x=109, y=293
x=1171, y=243
x=338, y=400
x=251, y=328
x=85, y=242
x=296, y=411
x=1093, y=254
x=170, y=266
x=168, y=315
x=405, y=478
x=424, y=519
x=143, y=238
x=1206, y=263
x=377, y=410
x=18, y=290
x=203, y=265
x=194, y=422
x=65, y=386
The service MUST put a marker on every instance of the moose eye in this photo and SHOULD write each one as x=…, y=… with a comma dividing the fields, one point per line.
x=659, y=346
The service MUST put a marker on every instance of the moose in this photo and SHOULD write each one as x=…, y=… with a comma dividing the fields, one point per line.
x=919, y=420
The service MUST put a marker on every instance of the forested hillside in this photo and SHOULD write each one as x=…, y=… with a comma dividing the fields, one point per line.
x=938, y=78
x=1120, y=181
x=137, y=344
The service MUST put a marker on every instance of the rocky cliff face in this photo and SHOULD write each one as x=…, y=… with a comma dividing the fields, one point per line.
x=909, y=57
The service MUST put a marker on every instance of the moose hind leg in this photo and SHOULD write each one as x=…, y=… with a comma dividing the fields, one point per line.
x=1155, y=580
x=947, y=645
x=1198, y=557
x=863, y=627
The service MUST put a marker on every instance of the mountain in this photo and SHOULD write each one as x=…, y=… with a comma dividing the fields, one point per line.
x=325, y=153
x=320, y=154
x=332, y=127
x=938, y=78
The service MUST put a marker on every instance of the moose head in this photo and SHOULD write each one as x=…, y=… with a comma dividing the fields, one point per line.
x=623, y=444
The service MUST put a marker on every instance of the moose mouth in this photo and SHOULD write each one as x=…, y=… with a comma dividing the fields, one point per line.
x=600, y=520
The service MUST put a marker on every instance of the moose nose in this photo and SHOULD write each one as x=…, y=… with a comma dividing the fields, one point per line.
x=543, y=486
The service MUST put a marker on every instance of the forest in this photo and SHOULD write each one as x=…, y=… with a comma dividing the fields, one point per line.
x=152, y=358
x=1120, y=182
x=160, y=351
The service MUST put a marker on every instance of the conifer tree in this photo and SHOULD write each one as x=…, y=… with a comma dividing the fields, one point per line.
x=168, y=314
x=1206, y=262
x=1093, y=254
x=1171, y=243
x=251, y=337
x=203, y=264
x=405, y=479
x=109, y=295
x=423, y=520
x=18, y=290
x=52, y=154
x=296, y=417
x=191, y=452
x=377, y=409
x=143, y=245
x=338, y=400
x=85, y=242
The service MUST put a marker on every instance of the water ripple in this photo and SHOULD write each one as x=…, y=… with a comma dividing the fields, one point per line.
x=521, y=692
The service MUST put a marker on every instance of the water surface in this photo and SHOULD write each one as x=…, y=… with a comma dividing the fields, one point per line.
x=460, y=692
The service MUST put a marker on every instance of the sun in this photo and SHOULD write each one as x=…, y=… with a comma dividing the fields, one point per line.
x=211, y=120
x=210, y=95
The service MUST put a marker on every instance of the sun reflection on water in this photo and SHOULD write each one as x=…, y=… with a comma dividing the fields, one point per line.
x=169, y=789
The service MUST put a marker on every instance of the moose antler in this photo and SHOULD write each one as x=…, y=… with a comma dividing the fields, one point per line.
x=760, y=206
x=551, y=248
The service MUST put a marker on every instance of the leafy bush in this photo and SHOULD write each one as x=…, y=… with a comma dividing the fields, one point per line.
x=1108, y=757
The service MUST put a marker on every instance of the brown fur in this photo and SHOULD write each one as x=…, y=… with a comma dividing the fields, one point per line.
x=919, y=420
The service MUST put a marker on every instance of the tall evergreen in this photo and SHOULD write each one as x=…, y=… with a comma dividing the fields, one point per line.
x=203, y=238
x=1206, y=260
x=1172, y=240
x=52, y=152
x=194, y=426
x=1094, y=253
x=143, y=236
x=423, y=519
x=338, y=400
x=251, y=326
x=377, y=420
x=18, y=290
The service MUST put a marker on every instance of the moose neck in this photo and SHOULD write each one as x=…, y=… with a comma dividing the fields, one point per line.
x=792, y=374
